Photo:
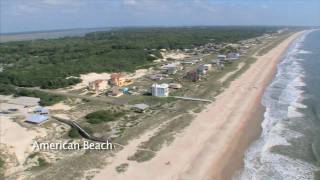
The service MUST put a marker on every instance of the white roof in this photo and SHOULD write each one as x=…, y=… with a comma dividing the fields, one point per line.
x=164, y=85
x=172, y=65
x=141, y=106
x=35, y=118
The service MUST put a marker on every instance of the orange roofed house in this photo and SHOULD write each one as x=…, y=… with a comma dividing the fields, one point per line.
x=117, y=79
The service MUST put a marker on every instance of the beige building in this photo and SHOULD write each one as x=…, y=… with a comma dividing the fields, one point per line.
x=98, y=85
x=117, y=79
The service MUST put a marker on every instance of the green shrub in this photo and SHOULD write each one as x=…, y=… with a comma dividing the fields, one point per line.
x=1, y=163
x=42, y=162
x=102, y=116
x=73, y=133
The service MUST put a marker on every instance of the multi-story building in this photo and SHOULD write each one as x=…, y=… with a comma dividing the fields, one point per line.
x=160, y=90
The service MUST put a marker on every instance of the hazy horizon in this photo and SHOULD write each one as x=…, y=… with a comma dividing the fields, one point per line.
x=119, y=27
x=18, y=16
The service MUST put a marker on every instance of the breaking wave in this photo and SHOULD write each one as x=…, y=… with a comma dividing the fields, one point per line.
x=283, y=102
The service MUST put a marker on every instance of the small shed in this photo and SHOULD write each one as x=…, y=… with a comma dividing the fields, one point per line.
x=37, y=119
x=156, y=77
x=140, y=107
x=175, y=85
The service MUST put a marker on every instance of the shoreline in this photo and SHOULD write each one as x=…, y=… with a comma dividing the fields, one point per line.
x=212, y=145
x=235, y=162
x=243, y=140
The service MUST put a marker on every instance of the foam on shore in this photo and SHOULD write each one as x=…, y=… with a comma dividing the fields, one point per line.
x=283, y=101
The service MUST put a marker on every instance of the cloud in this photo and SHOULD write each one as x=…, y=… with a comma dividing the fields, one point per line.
x=129, y=2
x=38, y=7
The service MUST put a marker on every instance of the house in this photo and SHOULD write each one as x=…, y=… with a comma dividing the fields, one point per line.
x=188, y=62
x=175, y=85
x=140, y=107
x=172, y=68
x=215, y=61
x=201, y=70
x=233, y=56
x=207, y=66
x=192, y=76
x=42, y=111
x=233, y=46
x=98, y=85
x=222, y=57
x=156, y=77
x=160, y=90
x=114, y=91
x=37, y=119
x=118, y=80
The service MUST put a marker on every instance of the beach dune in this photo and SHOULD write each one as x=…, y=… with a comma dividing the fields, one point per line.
x=218, y=136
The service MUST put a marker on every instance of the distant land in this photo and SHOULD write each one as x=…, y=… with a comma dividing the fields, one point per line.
x=49, y=34
x=79, y=32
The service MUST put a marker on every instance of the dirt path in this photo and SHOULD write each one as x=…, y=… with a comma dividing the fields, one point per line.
x=226, y=76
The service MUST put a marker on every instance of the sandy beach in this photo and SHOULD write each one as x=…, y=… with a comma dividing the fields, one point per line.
x=213, y=145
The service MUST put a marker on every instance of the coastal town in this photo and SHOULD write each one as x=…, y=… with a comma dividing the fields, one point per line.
x=165, y=97
x=159, y=90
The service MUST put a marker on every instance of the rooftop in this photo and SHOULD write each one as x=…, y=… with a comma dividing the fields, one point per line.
x=37, y=119
x=160, y=85
x=141, y=106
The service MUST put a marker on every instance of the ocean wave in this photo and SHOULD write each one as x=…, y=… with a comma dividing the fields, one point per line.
x=305, y=52
x=283, y=101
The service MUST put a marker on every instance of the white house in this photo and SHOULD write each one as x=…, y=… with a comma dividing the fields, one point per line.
x=160, y=90
x=207, y=66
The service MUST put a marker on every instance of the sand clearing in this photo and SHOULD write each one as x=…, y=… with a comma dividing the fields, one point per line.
x=173, y=55
x=203, y=149
x=17, y=138
x=138, y=73
x=86, y=78
x=59, y=106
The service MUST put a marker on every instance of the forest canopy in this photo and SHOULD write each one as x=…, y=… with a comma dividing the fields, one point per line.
x=49, y=63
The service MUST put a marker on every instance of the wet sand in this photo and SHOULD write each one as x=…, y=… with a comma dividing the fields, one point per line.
x=248, y=134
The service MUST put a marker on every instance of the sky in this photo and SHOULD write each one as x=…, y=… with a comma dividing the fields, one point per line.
x=37, y=15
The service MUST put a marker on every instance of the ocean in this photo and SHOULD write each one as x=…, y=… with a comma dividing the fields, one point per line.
x=289, y=145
